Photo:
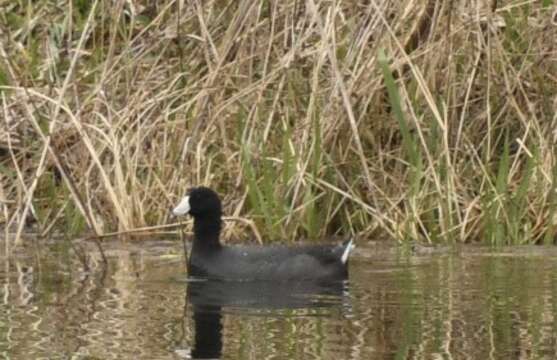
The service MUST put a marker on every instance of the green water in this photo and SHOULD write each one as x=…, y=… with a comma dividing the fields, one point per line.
x=473, y=303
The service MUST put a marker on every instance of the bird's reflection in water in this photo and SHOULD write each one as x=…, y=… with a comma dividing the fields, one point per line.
x=208, y=332
x=208, y=298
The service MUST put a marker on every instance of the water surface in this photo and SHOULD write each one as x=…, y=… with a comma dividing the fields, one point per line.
x=466, y=303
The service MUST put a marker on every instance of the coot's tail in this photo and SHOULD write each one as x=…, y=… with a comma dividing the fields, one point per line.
x=348, y=246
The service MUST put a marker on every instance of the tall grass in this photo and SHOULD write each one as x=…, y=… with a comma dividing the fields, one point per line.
x=429, y=121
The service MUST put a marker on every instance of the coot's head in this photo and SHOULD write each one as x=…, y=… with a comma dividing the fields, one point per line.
x=199, y=202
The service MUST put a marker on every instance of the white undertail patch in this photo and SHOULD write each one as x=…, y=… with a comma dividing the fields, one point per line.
x=346, y=253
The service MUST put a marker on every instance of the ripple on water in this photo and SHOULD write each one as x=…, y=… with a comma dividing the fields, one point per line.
x=468, y=304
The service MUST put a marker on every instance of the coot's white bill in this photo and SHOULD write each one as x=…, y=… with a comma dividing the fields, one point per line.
x=183, y=207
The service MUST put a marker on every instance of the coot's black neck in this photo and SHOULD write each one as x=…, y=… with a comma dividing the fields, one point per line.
x=206, y=232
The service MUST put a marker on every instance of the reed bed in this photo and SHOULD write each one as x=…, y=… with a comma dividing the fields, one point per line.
x=430, y=121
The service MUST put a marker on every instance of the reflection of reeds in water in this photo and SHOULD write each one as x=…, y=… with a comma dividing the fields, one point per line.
x=431, y=121
x=59, y=310
x=456, y=306
x=294, y=336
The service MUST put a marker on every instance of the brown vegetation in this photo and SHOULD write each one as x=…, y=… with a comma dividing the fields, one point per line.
x=290, y=109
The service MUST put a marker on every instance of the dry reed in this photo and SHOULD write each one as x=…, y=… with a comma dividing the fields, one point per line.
x=417, y=120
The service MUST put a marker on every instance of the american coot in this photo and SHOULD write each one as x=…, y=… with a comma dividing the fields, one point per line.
x=211, y=260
